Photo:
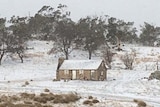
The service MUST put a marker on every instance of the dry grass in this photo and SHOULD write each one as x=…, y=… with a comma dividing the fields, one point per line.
x=32, y=100
x=38, y=104
x=66, y=98
x=40, y=99
x=27, y=96
x=7, y=104
x=15, y=98
x=90, y=101
x=4, y=98
x=23, y=105
x=47, y=106
x=27, y=102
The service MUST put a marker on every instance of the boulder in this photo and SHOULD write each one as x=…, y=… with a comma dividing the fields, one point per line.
x=155, y=75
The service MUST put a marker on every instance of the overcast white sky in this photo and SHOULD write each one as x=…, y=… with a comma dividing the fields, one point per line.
x=128, y=10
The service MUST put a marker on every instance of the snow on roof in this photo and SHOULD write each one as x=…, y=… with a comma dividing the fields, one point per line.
x=80, y=64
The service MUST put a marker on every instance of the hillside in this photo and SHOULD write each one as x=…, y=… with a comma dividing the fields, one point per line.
x=122, y=86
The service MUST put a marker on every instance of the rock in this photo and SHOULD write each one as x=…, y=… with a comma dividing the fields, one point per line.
x=155, y=75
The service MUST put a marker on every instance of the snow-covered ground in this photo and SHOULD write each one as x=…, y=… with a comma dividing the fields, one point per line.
x=122, y=86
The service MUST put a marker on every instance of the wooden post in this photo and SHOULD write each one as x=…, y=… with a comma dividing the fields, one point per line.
x=157, y=66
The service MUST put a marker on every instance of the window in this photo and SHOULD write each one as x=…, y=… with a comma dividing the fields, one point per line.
x=81, y=71
x=66, y=72
x=101, y=72
x=92, y=71
x=93, y=74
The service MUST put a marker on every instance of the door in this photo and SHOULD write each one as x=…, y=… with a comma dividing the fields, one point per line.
x=92, y=75
x=74, y=74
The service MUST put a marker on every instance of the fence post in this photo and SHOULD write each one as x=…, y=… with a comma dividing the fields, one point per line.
x=157, y=66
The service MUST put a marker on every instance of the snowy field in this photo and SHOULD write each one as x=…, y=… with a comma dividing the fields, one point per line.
x=122, y=86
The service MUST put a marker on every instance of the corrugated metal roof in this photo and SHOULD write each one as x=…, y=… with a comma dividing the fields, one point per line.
x=80, y=64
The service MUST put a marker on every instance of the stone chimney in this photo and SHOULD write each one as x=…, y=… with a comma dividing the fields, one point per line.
x=60, y=61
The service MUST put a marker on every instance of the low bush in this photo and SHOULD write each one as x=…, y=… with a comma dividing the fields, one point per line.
x=140, y=103
x=22, y=105
x=27, y=96
x=95, y=101
x=15, y=98
x=40, y=100
x=66, y=98
x=90, y=97
x=27, y=102
x=26, y=83
x=87, y=102
x=46, y=90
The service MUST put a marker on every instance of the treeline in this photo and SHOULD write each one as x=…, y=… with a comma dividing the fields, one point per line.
x=55, y=24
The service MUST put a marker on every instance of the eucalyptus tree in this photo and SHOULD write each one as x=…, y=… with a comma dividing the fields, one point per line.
x=118, y=31
x=3, y=37
x=20, y=35
x=65, y=33
x=149, y=34
x=58, y=27
x=45, y=20
x=92, y=32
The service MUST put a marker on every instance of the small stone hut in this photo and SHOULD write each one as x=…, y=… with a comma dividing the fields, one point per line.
x=82, y=70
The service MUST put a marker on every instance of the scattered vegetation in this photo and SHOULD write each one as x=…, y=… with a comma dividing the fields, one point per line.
x=27, y=96
x=26, y=83
x=95, y=101
x=90, y=101
x=128, y=60
x=33, y=100
x=66, y=98
x=90, y=97
x=87, y=102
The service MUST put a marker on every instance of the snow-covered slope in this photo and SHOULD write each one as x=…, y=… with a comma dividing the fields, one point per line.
x=122, y=86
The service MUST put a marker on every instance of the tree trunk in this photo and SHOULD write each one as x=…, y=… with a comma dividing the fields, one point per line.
x=20, y=56
x=90, y=54
x=66, y=54
x=118, y=44
x=1, y=56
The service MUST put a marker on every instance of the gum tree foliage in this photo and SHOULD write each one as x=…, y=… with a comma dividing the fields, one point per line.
x=91, y=33
x=20, y=35
x=148, y=34
x=62, y=28
x=65, y=36
x=44, y=22
x=41, y=24
x=36, y=24
x=119, y=31
x=65, y=33
x=3, y=38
